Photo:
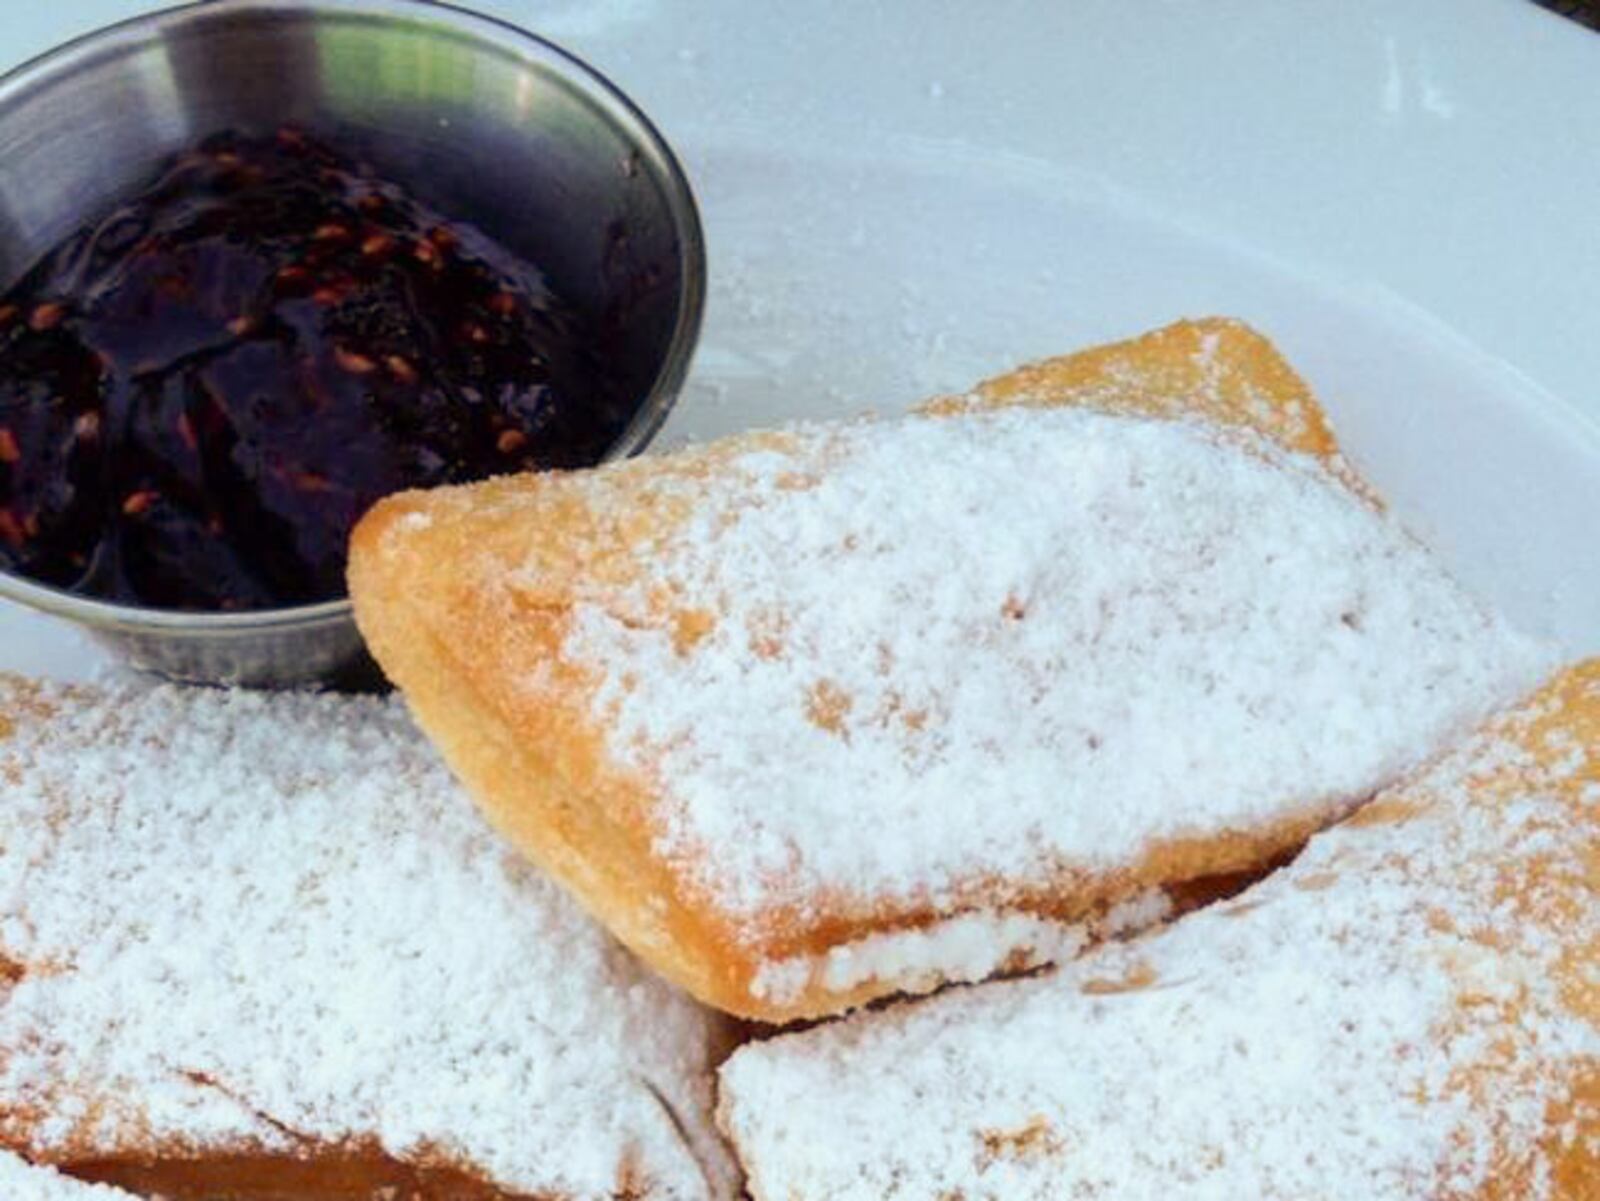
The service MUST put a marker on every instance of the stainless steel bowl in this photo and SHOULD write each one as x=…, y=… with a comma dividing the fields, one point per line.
x=485, y=121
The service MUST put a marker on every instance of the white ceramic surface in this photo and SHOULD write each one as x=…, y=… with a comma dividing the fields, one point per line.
x=901, y=197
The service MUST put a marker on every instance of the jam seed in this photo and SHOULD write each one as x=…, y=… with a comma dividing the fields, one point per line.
x=47, y=316
x=310, y=481
x=377, y=245
x=401, y=369
x=503, y=303
x=355, y=364
x=443, y=237
x=175, y=285
x=475, y=332
x=243, y=325
x=510, y=441
x=291, y=137
x=139, y=502
x=426, y=253
x=11, y=529
x=331, y=232
x=370, y=203
x=87, y=427
x=9, y=451
x=292, y=276
x=327, y=297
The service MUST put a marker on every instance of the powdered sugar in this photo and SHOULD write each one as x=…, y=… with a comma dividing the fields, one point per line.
x=966, y=948
x=973, y=946
x=21, y=1181
x=262, y=921
x=1005, y=645
x=1400, y=1014
x=962, y=949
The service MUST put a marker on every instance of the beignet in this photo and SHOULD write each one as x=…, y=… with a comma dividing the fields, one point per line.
x=1410, y=1011
x=820, y=715
x=261, y=947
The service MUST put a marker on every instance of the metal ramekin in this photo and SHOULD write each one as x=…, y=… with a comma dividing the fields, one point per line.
x=486, y=121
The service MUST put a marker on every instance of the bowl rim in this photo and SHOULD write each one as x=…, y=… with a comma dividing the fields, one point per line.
x=593, y=85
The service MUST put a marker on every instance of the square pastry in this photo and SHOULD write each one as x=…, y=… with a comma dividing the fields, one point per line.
x=259, y=946
x=816, y=716
x=1410, y=1011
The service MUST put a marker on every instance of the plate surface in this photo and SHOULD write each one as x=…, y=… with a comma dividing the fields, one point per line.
x=901, y=198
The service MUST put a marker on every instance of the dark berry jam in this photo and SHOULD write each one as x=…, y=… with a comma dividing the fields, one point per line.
x=201, y=394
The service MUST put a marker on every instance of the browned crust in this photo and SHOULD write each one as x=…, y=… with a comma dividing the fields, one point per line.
x=427, y=574
x=1214, y=370
x=325, y=1174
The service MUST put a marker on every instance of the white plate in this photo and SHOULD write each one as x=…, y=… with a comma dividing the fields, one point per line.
x=903, y=197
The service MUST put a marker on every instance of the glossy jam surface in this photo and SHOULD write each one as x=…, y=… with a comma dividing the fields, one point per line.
x=201, y=394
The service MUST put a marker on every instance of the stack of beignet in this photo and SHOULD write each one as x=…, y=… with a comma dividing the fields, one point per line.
x=1409, y=1012
x=261, y=948
x=817, y=716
